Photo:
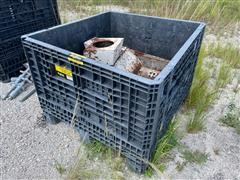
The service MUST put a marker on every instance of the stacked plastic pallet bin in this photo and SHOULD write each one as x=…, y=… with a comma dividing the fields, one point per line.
x=19, y=17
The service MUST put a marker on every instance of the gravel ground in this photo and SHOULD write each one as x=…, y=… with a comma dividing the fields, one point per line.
x=29, y=148
x=225, y=164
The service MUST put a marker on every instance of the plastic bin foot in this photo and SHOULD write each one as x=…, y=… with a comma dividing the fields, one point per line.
x=51, y=119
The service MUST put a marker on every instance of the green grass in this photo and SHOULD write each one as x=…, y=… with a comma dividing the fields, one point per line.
x=88, y=154
x=97, y=149
x=60, y=168
x=223, y=76
x=202, y=94
x=199, y=86
x=189, y=156
x=196, y=123
x=228, y=53
x=110, y=156
x=164, y=147
x=230, y=59
x=82, y=168
x=212, y=11
x=195, y=156
x=232, y=118
x=180, y=166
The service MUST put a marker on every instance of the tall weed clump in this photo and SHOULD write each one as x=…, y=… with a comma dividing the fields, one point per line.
x=163, y=148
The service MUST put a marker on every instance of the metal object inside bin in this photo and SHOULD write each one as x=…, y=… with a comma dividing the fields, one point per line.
x=106, y=50
x=110, y=51
x=148, y=73
x=128, y=61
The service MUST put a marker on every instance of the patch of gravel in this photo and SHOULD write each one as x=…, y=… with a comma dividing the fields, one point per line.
x=68, y=15
x=115, y=8
x=29, y=148
x=216, y=137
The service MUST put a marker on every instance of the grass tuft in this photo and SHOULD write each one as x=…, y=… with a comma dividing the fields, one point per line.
x=228, y=53
x=223, y=76
x=110, y=156
x=215, y=12
x=97, y=149
x=180, y=166
x=232, y=118
x=202, y=94
x=164, y=147
x=199, y=88
x=60, y=168
x=82, y=169
x=195, y=156
x=196, y=123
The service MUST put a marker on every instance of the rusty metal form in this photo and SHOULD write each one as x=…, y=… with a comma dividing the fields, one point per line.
x=128, y=61
x=148, y=73
x=151, y=65
x=111, y=51
x=106, y=50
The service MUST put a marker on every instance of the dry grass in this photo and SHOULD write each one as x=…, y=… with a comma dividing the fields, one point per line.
x=89, y=160
x=219, y=14
x=82, y=168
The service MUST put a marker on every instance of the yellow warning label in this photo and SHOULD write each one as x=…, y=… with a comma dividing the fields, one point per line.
x=63, y=70
x=73, y=57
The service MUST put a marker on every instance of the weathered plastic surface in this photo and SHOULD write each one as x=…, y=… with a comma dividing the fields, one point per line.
x=19, y=17
x=118, y=108
x=11, y=58
x=14, y=12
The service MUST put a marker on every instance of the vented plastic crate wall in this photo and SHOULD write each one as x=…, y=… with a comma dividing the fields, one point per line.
x=25, y=16
x=11, y=58
x=17, y=12
x=118, y=108
x=19, y=17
